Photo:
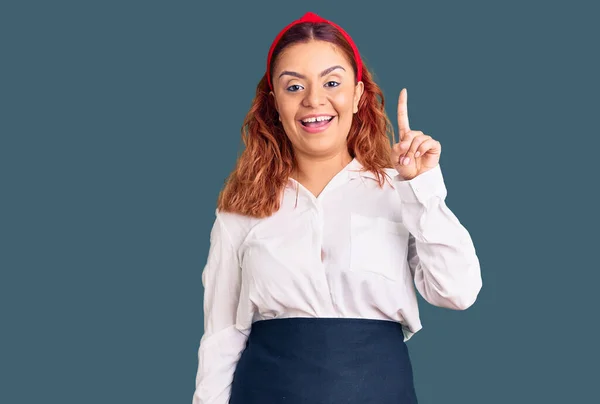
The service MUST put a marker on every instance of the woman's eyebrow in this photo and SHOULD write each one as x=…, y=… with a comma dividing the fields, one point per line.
x=301, y=76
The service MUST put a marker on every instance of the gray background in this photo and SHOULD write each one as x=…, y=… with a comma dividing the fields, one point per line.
x=120, y=120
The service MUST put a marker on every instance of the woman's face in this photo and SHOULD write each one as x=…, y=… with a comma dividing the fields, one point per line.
x=315, y=96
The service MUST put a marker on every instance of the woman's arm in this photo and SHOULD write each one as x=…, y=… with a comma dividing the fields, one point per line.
x=441, y=254
x=222, y=342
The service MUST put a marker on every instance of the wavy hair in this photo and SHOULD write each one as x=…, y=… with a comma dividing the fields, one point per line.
x=255, y=186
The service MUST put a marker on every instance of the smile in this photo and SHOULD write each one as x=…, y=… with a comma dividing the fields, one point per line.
x=316, y=124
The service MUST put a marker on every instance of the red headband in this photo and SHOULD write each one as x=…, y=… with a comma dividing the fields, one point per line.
x=312, y=17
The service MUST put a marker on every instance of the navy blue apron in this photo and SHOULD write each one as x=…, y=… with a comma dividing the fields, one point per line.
x=324, y=361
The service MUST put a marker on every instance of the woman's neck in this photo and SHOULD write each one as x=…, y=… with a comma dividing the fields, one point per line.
x=315, y=173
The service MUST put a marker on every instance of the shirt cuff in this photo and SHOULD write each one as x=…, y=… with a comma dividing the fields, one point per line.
x=423, y=187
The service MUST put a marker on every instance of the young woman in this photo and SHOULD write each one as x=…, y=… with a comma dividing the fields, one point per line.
x=323, y=234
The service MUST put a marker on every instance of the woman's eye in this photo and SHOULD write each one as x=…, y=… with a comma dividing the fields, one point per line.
x=294, y=87
x=332, y=84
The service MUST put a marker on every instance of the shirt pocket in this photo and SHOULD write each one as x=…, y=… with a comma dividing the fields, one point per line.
x=378, y=245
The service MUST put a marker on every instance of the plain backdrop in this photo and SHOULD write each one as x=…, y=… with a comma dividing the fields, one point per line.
x=120, y=120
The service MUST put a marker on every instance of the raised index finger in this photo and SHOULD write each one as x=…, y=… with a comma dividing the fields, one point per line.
x=403, y=126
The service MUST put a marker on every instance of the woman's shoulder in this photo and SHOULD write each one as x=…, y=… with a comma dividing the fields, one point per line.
x=235, y=224
x=232, y=219
x=390, y=175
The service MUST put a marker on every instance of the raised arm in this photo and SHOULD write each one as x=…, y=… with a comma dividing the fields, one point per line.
x=441, y=254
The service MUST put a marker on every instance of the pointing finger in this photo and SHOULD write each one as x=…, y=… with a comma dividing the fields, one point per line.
x=403, y=126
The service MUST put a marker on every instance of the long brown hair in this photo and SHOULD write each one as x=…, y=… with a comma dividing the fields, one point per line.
x=255, y=186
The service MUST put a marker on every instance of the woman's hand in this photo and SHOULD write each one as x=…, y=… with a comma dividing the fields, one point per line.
x=415, y=152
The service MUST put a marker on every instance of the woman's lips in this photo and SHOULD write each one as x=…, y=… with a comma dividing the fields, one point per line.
x=317, y=129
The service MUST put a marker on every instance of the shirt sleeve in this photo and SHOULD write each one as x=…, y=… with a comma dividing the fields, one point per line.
x=222, y=341
x=441, y=254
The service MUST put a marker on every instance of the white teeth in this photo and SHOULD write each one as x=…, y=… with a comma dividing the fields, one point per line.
x=317, y=119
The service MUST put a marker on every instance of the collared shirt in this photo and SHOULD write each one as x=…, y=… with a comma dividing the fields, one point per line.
x=355, y=251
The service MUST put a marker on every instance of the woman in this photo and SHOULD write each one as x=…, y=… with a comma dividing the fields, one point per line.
x=322, y=232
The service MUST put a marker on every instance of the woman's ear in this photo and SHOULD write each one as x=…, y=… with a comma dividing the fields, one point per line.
x=358, y=92
x=272, y=94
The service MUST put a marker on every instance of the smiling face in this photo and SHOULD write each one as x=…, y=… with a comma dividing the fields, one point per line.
x=316, y=97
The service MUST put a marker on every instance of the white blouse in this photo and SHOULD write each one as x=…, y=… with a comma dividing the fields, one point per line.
x=356, y=251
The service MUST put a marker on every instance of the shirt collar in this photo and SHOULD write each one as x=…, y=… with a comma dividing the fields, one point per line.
x=356, y=170
x=353, y=170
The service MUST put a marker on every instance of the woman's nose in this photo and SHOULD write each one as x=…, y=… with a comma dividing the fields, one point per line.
x=314, y=97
